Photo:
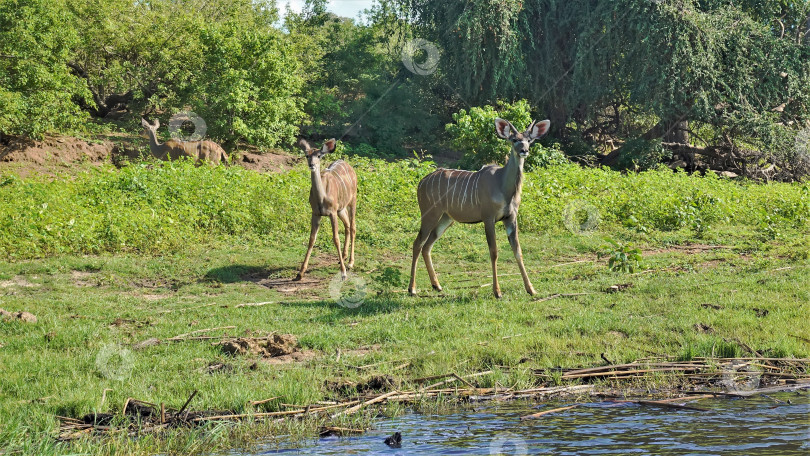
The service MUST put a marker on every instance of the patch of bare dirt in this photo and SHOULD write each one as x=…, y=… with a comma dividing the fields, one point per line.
x=703, y=328
x=375, y=383
x=276, y=161
x=52, y=153
x=273, y=349
x=83, y=279
x=17, y=281
x=689, y=249
x=289, y=286
x=26, y=317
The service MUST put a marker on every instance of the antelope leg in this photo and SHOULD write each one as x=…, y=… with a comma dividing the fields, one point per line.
x=429, y=222
x=344, y=217
x=336, y=238
x=353, y=220
x=489, y=227
x=444, y=222
x=316, y=223
x=512, y=234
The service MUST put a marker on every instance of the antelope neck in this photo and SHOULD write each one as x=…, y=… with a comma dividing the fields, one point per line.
x=317, y=182
x=513, y=174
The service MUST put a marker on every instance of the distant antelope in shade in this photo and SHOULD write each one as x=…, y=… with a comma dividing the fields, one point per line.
x=489, y=195
x=200, y=151
x=333, y=194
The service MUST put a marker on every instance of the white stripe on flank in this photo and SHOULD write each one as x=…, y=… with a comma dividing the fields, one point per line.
x=466, y=189
x=475, y=188
x=455, y=184
x=342, y=184
x=430, y=191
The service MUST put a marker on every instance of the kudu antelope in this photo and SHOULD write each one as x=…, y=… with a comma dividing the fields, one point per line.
x=489, y=195
x=200, y=151
x=334, y=195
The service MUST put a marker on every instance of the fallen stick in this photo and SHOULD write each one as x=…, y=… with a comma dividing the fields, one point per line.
x=247, y=415
x=182, y=336
x=188, y=401
x=263, y=401
x=357, y=407
x=548, y=412
x=632, y=372
x=255, y=304
x=560, y=295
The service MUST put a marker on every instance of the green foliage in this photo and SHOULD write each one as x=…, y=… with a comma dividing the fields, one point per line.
x=159, y=209
x=249, y=86
x=632, y=68
x=116, y=59
x=474, y=134
x=37, y=91
x=621, y=257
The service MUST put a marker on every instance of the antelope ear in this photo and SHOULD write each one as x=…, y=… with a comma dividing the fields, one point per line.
x=304, y=145
x=539, y=129
x=503, y=128
x=157, y=124
x=144, y=123
x=328, y=146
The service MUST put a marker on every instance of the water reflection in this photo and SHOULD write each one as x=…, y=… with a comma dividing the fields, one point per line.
x=755, y=425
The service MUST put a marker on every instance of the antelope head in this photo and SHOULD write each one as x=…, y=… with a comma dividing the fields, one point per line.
x=314, y=155
x=521, y=142
x=147, y=128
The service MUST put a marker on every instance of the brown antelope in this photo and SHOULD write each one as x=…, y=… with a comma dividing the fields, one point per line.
x=333, y=194
x=489, y=195
x=200, y=151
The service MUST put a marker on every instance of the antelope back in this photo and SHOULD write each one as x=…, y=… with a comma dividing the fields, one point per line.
x=450, y=190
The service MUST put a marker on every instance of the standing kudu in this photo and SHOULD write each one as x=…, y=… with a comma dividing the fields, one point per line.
x=200, y=151
x=333, y=194
x=489, y=195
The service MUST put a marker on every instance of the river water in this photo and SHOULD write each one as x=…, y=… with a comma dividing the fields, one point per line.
x=754, y=425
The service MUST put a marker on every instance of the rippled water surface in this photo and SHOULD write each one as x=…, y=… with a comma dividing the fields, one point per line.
x=754, y=425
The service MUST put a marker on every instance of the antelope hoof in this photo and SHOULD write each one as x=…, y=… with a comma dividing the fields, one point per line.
x=531, y=291
x=343, y=275
x=437, y=287
x=498, y=294
x=350, y=265
x=298, y=277
x=412, y=291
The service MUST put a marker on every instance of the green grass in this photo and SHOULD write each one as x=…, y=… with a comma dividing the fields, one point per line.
x=223, y=232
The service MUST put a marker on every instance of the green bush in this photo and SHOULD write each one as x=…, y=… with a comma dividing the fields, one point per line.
x=163, y=208
x=474, y=134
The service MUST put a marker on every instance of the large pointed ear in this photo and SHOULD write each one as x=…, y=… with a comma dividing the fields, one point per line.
x=328, y=146
x=156, y=124
x=304, y=145
x=538, y=129
x=144, y=123
x=503, y=128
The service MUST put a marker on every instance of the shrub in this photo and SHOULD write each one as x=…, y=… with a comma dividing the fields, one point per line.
x=474, y=134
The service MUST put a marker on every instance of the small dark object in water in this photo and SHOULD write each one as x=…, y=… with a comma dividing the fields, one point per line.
x=395, y=441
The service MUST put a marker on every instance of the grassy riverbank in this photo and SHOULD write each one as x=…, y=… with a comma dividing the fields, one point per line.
x=111, y=258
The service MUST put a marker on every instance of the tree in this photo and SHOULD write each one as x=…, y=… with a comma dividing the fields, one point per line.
x=736, y=72
x=36, y=89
